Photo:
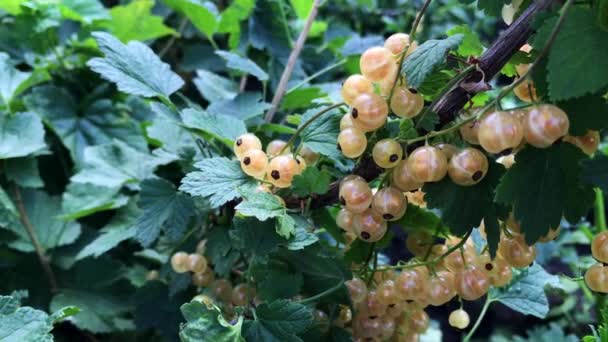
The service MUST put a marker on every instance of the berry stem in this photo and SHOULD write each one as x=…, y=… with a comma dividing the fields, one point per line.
x=600, y=211
x=483, y=312
x=317, y=74
x=307, y=123
x=404, y=52
x=322, y=294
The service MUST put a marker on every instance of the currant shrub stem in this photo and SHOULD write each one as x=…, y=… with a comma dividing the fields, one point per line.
x=317, y=74
x=600, y=211
x=42, y=257
x=322, y=294
x=412, y=38
x=483, y=312
x=293, y=138
x=171, y=41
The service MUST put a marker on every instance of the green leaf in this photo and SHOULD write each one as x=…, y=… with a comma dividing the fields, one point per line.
x=217, y=180
x=311, y=181
x=162, y=208
x=155, y=309
x=24, y=172
x=301, y=98
x=225, y=128
x=407, y=129
x=585, y=113
x=14, y=82
x=244, y=106
x=274, y=282
x=113, y=165
x=526, y=292
x=79, y=125
x=230, y=21
x=463, y=207
x=471, y=45
x=302, y=235
x=279, y=321
x=221, y=250
x=554, y=333
x=208, y=325
x=134, y=68
x=266, y=29
x=83, y=199
x=21, y=135
x=135, y=21
x=202, y=17
x=417, y=218
x=254, y=237
x=264, y=206
x=428, y=121
x=575, y=72
x=595, y=171
x=12, y=6
x=168, y=130
x=242, y=64
x=98, y=313
x=492, y=7
x=120, y=228
x=421, y=63
x=42, y=211
x=356, y=45
x=539, y=205
x=84, y=11
x=321, y=135
x=214, y=87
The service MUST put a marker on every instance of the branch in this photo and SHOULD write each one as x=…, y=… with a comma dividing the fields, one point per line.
x=291, y=62
x=491, y=62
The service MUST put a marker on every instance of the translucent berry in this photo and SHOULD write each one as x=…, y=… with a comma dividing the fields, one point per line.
x=387, y=328
x=352, y=142
x=406, y=104
x=366, y=327
x=470, y=132
x=246, y=142
x=354, y=86
x=544, y=125
x=427, y=164
x=395, y=309
x=468, y=167
x=355, y=194
x=599, y=247
x=254, y=163
x=387, y=293
x=397, y=42
x=441, y=288
x=345, y=316
x=419, y=242
x=457, y=260
x=459, y=319
x=357, y=290
x=500, y=131
x=373, y=306
x=448, y=149
x=387, y=153
x=402, y=178
x=369, y=112
x=386, y=84
x=526, y=91
x=275, y=147
x=516, y=252
x=180, y=262
x=281, y=170
x=596, y=278
x=346, y=122
x=390, y=203
x=376, y=63
x=203, y=279
x=241, y=293
x=221, y=289
x=410, y=284
x=344, y=220
x=301, y=164
x=472, y=283
x=369, y=226
x=310, y=157
x=588, y=143
x=419, y=321
x=197, y=263
x=499, y=272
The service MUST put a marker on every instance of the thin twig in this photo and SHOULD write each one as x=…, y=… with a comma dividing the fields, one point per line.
x=243, y=83
x=182, y=26
x=316, y=74
x=484, y=309
x=291, y=62
x=322, y=294
x=44, y=260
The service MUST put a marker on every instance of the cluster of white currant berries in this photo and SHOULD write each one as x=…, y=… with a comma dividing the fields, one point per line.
x=277, y=165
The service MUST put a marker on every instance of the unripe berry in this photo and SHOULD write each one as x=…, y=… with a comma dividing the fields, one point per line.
x=344, y=220
x=281, y=170
x=468, y=167
x=472, y=283
x=197, y=263
x=470, y=132
x=516, y=252
x=179, y=262
x=427, y=164
x=397, y=42
x=376, y=63
x=357, y=290
x=369, y=226
x=203, y=279
x=369, y=112
x=544, y=125
x=459, y=319
x=599, y=247
x=500, y=131
x=346, y=122
x=254, y=163
x=441, y=288
x=274, y=148
x=387, y=153
x=402, y=178
x=354, y=86
x=596, y=278
x=588, y=143
x=419, y=242
x=390, y=203
x=246, y=142
x=355, y=194
x=352, y=142
x=406, y=104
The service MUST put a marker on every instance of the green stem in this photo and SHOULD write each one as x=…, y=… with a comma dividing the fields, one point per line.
x=483, y=312
x=322, y=294
x=600, y=211
x=317, y=74
x=307, y=123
